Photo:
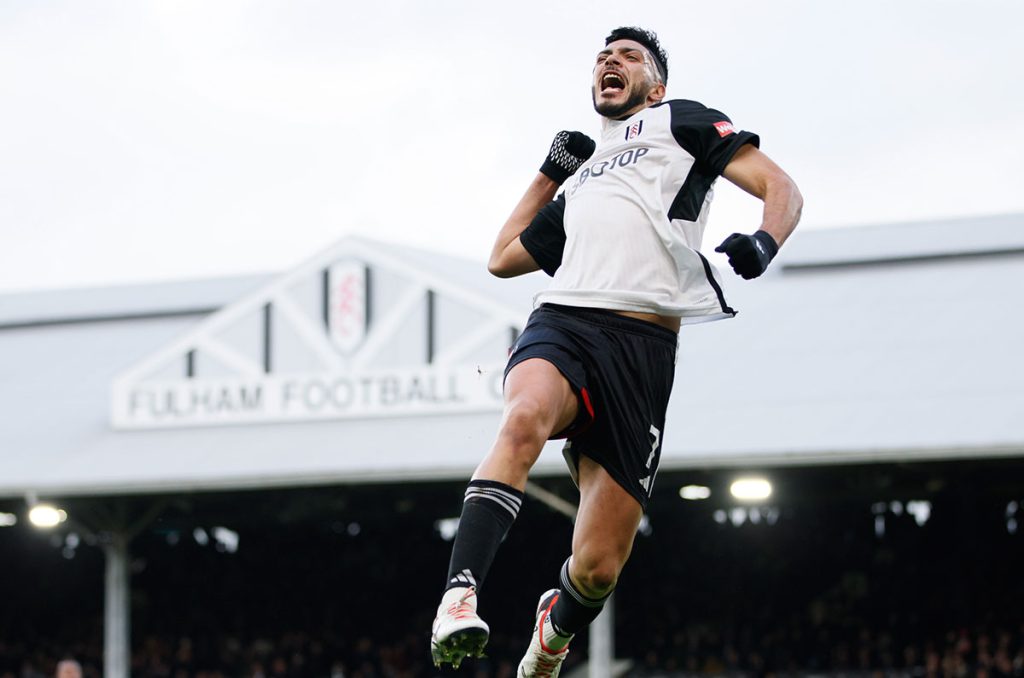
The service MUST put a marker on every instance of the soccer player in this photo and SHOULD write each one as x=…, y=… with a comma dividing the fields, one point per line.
x=596, y=359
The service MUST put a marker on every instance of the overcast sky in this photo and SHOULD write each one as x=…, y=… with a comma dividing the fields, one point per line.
x=178, y=139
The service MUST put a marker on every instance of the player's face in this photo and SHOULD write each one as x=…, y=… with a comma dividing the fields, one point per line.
x=625, y=80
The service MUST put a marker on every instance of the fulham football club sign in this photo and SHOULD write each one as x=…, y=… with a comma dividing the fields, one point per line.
x=358, y=332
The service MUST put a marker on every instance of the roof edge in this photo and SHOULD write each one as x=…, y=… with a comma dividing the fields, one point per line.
x=544, y=468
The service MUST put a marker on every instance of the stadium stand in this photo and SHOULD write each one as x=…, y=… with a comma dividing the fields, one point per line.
x=339, y=582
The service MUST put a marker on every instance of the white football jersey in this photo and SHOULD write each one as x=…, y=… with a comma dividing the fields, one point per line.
x=625, y=232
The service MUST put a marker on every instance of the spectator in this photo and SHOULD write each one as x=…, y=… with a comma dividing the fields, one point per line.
x=68, y=668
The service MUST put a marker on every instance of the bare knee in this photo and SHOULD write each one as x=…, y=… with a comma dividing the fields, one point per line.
x=537, y=400
x=521, y=437
x=595, y=574
x=524, y=429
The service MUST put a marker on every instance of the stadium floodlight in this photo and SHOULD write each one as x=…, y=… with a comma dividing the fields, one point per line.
x=694, y=492
x=46, y=516
x=447, y=527
x=921, y=510
x=751, y=489
x=226, y=539
x=8, y=519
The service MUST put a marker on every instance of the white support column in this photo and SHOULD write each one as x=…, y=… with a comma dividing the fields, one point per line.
x=116, y=640
x=602, y=641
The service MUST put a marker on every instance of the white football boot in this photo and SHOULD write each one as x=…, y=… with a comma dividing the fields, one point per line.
x=540, y=661
x=457, y=631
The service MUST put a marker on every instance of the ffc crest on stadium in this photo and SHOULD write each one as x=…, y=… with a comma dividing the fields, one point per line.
x=346, y=305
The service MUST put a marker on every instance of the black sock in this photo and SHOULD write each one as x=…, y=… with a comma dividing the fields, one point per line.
x=488, y=511
x=573, y=611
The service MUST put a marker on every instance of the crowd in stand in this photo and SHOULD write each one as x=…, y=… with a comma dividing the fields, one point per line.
x=818, y=593
x=955, y=654
x=697, y=650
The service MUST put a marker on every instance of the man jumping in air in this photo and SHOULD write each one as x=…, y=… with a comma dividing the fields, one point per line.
x=596, y=360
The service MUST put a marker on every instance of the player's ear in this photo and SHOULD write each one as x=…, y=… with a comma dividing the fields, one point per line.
x=656, y=94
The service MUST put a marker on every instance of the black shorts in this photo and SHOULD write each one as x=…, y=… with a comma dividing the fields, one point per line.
x=621, y=370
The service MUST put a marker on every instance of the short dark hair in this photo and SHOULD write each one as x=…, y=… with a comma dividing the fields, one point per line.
x=648, y=39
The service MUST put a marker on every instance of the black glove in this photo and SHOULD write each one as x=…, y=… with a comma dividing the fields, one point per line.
x=568, y=151
x=749, y=255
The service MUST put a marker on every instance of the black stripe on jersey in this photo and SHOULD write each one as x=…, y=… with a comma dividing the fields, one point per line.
x=698, y=131
x=714, y=284
x=690, y=198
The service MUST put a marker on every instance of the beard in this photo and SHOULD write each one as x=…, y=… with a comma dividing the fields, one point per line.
x=618, y=111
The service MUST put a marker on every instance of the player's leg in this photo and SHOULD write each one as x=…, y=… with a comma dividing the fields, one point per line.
x=606, y=525
x=629, y=375
x=601, y=543
x=538, y=402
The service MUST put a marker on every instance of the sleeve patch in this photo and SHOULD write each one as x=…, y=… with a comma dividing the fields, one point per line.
x=725, y=128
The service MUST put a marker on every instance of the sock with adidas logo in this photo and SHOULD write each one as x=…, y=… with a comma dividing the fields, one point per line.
x=488, y=511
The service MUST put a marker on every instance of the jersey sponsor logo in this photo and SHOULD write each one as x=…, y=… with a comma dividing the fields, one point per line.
x=634, y=130
x=725, y=128
x=624, y=159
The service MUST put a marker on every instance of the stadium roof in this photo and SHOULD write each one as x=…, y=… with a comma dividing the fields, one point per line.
x=885, y=343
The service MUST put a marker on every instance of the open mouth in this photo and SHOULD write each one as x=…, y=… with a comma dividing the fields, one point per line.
x=612, y=83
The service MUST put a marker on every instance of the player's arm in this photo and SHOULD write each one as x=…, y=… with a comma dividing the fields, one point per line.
x=537, y=215
x=755, y=173
x=509, y=257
